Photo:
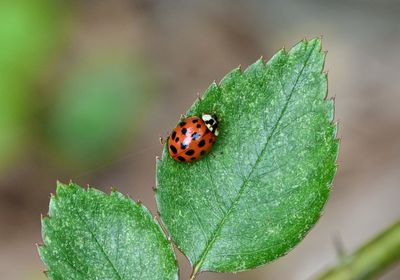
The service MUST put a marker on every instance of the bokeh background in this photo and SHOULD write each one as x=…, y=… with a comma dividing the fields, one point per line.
x=87, y=88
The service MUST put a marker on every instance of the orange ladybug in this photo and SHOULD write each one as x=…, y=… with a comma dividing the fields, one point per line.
x=192, y=138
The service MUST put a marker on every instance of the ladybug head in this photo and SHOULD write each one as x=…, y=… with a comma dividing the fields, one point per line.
x=211, y=122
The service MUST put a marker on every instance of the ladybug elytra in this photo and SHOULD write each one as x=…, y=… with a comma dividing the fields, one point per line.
x=193, y=138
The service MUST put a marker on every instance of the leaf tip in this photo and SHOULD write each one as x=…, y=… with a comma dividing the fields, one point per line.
x=316, y=41
x=340, y=137
x=123, y=196
x=47, y=273
x=113, y=190
x=60, y=187
x=239, y=68
x=39, y=246
x=198, y=95
x=59, y=184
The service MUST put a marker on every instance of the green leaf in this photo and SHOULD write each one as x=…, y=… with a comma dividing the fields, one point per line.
x=263, y=186
x=91, y=235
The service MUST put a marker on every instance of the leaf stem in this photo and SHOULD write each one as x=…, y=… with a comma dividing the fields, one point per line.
x=371, y=259
x=194, y=273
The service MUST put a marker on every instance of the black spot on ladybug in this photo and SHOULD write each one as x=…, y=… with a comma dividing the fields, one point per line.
x=195, y=136
x=190, y=152
x=173, y=135
x=184, y=130
x=181, y=158
x=210, y=122
x=210, y=141
x=183, y=146
x=193, y=159
x=198, y=126
x=177, y=139
x=202, y=153
x=173, y=149
x=182, y=124
x=195, y=121
x=201, y=143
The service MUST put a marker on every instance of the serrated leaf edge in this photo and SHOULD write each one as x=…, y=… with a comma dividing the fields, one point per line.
x=43, y=218
x=282, y=51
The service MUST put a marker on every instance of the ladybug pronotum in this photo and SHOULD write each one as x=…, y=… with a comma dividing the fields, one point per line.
x=193, y=138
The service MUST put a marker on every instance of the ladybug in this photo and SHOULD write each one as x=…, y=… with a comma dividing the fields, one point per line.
x=193, y=138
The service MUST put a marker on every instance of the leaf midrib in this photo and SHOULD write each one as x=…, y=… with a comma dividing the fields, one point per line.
x=84, y=222
x=216, y=232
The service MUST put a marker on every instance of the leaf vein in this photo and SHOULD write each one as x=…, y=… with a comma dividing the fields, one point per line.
x=84, y=222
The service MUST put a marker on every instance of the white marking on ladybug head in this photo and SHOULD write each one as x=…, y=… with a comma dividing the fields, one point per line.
x=211, y=123
x=206, y=117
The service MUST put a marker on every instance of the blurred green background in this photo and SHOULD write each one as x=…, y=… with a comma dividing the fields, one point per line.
x=87, y=87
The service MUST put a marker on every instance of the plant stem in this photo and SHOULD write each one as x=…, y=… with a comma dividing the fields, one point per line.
x=194, y=273
x=370, y=260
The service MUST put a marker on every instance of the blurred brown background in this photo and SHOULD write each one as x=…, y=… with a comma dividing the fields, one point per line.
x=87, y=87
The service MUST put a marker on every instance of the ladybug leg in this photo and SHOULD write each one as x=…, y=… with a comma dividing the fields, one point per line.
x=214, y=155
x=162, y=140
x=183, y=116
